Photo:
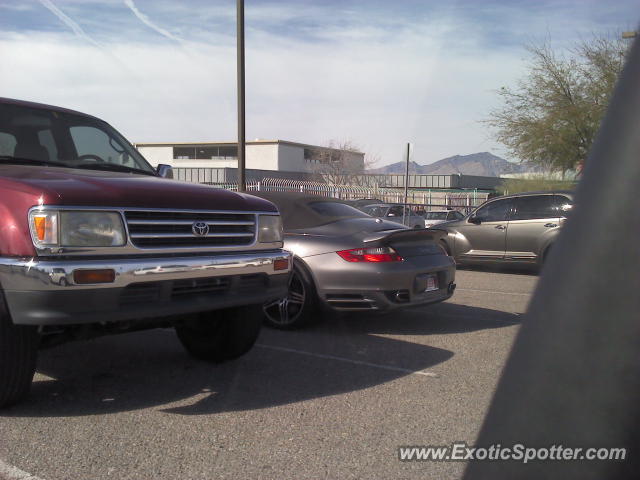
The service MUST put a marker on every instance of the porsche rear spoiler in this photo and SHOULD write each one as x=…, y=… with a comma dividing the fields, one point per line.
x=424, y=234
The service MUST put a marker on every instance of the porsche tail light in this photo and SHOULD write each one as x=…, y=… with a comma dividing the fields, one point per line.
x=373, y=254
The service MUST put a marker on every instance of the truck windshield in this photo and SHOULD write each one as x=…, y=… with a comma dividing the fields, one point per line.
x=50, y=137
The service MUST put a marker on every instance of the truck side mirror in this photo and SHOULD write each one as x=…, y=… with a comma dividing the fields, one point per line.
x=164, y=171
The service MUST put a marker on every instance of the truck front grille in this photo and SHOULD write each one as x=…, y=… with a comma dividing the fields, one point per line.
x=166, y=229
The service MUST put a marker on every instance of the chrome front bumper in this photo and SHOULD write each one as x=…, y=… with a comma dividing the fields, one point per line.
x=43, y=292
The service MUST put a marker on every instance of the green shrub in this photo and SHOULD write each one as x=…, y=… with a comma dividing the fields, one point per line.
x=518, y=185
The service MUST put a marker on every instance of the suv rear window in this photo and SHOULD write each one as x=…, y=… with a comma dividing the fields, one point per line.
x=538, y=206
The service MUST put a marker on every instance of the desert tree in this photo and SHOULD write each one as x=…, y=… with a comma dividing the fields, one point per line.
x=552, y=115
x=336, y=163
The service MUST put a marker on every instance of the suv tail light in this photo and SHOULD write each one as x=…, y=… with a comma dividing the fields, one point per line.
x=373, y=254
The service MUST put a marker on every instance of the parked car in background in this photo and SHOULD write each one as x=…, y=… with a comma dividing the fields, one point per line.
x=517, y=228
x=434, y=217
x=94, y=241
x=344, y=260
x=363, y=202
x=399, y=213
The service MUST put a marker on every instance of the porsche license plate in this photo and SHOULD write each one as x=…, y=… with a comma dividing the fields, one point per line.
x=426, y=282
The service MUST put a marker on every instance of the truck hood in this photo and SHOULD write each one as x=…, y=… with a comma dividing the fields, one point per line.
x=80, y=187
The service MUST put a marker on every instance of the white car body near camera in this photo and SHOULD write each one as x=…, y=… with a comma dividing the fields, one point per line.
x=436, y=217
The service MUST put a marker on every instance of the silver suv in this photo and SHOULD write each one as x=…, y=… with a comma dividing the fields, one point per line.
x=516, y=229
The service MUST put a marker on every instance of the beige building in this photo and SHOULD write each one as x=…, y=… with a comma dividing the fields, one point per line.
x=279, y=155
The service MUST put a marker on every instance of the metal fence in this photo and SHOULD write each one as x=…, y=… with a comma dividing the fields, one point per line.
x=370, y=180
x=429, y=199
x=230, y=175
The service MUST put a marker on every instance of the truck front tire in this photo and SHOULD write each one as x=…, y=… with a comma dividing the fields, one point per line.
x=18, y=355
x=221, y=335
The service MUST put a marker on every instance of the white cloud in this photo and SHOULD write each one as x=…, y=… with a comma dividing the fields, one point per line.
x=77, y=29
x=378, y=84
x=379, y=96
x=147, y=21
x=16, y=7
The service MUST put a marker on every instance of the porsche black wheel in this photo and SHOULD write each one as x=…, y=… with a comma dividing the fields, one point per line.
x=298, y=308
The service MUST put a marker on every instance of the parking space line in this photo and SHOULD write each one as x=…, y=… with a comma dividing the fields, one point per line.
x=349, y=360
x=8, y=472
x=492, y=291
x=475, y=318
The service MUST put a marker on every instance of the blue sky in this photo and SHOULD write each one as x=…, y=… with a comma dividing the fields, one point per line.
x=376, y=73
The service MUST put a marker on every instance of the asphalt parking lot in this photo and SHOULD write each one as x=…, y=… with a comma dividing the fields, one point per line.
x=334, y=401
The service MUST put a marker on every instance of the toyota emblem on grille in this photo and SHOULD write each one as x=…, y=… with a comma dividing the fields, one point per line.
x=200, y=229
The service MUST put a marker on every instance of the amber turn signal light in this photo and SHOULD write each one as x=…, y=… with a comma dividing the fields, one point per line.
x=44, y=228
x=94, y=276
x=40, y=224
x=281, y=264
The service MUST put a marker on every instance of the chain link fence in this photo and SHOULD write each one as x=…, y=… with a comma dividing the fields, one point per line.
x=427, y=199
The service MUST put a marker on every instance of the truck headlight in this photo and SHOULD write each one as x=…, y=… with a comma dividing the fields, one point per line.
x=76, y=229
x=269, y=228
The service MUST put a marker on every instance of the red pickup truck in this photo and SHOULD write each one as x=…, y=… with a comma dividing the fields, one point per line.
x=93, y=241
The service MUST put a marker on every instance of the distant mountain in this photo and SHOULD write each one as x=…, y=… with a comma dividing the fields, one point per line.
x=484, y=164
x=399, y=167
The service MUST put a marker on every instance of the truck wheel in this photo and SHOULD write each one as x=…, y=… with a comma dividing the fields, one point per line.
x=221, y=335
x=298, y=309
x=18, y=354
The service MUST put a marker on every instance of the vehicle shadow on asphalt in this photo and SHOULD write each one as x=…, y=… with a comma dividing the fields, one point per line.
x=150, y=369
x=443, y=318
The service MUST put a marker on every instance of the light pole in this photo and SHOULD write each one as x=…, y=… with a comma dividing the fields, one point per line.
x=406, y=183
x=242, y=184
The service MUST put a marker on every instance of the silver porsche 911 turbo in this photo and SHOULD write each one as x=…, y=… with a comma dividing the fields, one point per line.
x=345, y=260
